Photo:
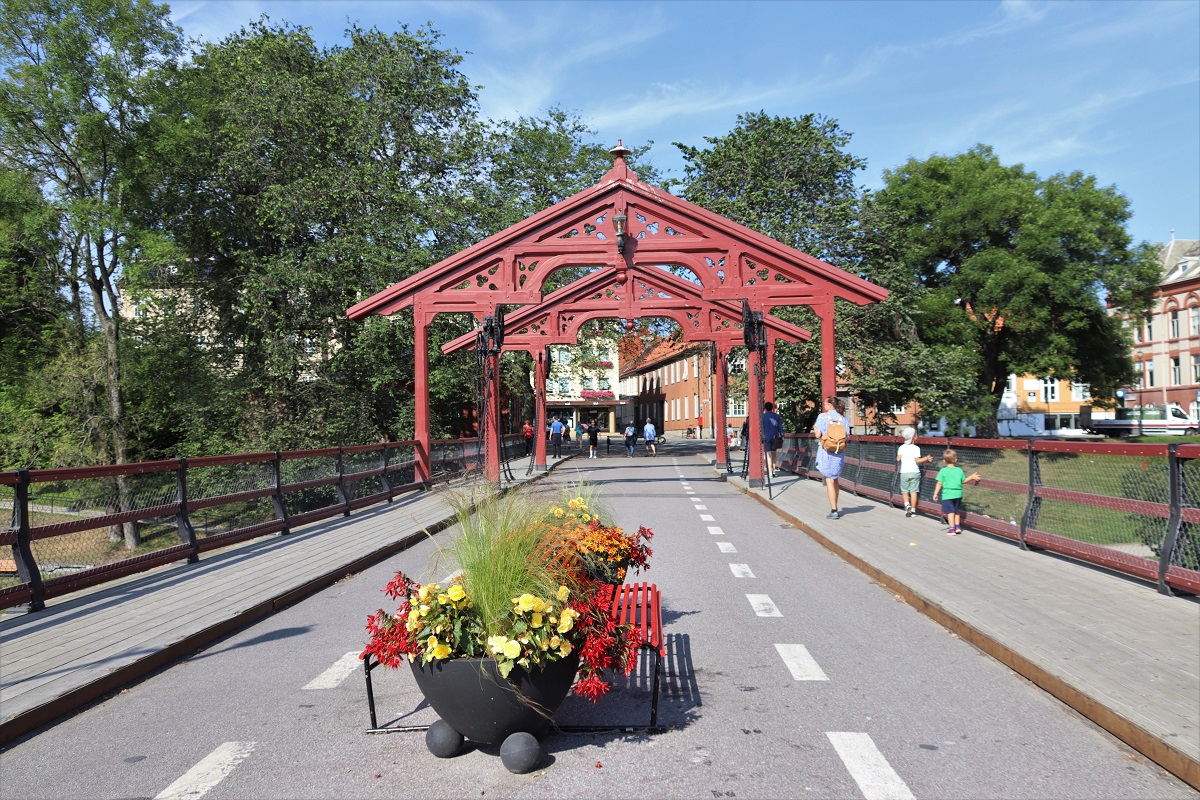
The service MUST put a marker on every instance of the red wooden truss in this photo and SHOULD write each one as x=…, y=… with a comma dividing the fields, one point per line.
x=638, y=244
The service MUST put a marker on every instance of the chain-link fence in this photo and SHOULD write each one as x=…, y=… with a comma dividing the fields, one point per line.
x=1116, y=505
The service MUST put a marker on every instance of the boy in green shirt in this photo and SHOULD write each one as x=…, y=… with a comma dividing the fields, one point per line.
x=950, y=480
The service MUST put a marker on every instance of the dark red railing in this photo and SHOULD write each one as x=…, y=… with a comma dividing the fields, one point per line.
x=1125, y=507
x=345, y=479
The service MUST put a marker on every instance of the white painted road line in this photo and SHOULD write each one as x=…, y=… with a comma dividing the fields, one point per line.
x=874, y=775
x=726, y=547
x=702, y=508
x=333, y=677
x=800, y=663
x=707, y=518
x=741, y=570
x=762, y=605
x=715, y=531
x=210, y=771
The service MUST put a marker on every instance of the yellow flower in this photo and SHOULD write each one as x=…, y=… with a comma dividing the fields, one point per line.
x=555, y=641
x=536, y=620
x=587, y=517
x=558, y=512
x=511, y=649
x=423, y=610
x=441, y=651
x=432, y=643
x=423, y=593
x=456, y=592
x=496, y=644
x=567, y=620
x=563, y=594
x=443, y=598
x=565, y=648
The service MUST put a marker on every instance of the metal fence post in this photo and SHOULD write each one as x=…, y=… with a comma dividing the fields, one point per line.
x=384, y=457
x=343, y=495
x=187, y=534
x=1033, y=505
x=27, y=568
x=1178, y=496
x=277, y=497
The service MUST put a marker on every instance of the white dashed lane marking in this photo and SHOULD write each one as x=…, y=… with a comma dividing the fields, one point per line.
x=702, y=508
x=741, y=570
x=726, y=547
x=333, y=677
x=707, y=518
x=874, y=775
x=210, y=771
x=800, y=663
x=715, y=531
x=763, y=606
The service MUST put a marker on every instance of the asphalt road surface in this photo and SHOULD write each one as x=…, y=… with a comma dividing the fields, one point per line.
x=790, y=674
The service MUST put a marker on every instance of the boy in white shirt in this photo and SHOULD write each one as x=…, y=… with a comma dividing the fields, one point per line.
x=910, y=458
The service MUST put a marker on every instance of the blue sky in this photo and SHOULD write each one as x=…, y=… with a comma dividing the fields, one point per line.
x=1108, y=88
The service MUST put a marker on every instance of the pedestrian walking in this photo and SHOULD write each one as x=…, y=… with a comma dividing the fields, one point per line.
x=910, y=458
x=527, y=430
x=831, y=453
x=593, y=433
x=630, y=439
x=556, y=436
x=651, y=434
x=950, y=480
x=772, y=434
x=580, y=430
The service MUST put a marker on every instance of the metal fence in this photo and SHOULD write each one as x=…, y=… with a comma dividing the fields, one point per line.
x=1126, y=507
x=74, y=528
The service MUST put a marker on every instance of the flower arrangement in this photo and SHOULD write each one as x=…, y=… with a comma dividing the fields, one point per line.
x=593, y=394
x=592, y=363
x=524, y=597
x=606, y=551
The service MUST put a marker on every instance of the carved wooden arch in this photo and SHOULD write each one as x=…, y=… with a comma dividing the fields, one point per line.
x=732, y=264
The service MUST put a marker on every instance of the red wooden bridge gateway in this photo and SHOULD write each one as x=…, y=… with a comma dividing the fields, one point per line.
x=634, y=238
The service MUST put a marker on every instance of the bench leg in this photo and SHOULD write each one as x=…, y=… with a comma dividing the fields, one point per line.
x=367, y=667
x=657, y=679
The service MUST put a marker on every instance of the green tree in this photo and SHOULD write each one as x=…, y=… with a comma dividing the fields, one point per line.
x=73, y=110
x=794, y=180
x=1031, y=275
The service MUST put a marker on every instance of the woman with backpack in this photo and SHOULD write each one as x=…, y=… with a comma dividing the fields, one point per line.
x=831, y=452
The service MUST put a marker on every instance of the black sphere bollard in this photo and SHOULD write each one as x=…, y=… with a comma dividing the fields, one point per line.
x=521, y=753
x=442, y=740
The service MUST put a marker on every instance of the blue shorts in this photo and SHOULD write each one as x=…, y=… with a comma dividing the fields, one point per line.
x=952, y=506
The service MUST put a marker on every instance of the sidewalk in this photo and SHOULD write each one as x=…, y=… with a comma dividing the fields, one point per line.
x=1112, y=648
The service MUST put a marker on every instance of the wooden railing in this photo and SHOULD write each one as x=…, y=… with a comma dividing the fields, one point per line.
x=68, y=526
x=1125, y=507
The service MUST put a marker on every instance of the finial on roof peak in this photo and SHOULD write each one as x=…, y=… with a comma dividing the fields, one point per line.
x=620, y=151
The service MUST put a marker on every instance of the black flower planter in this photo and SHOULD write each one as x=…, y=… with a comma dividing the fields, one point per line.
x=471, y=696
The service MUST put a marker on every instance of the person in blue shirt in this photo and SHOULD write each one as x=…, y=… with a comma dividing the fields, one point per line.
x=772, y=433
x=556, y=432
x=650, y=434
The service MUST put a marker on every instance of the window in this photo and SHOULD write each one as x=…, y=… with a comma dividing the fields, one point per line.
x=686, y=400
x=605, y=383
x=1011, y=384
x=1195, y=367
x=1174, y=324
x=1176, y=371
x=1149, y=373
x=564, y=385
x=1194, y=313
x=897, y=411
x=736, y=408
x=1080, y=391
x=684, y=377
x=1049, y=390
x=589, y=383
x=737, y=365
x=1149, y=327
x=1139, y=335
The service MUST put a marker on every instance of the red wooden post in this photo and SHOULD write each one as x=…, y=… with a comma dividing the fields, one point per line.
x=491, y=412
x=719, y=409
x=754, y=365
x=421, y=451
x=769, y=370
x=828, y=353
x=540, y=394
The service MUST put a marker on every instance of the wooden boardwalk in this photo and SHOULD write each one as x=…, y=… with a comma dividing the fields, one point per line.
x=1114, y=649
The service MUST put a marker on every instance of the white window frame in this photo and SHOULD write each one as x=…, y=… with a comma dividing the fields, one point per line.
x=1080, y=391
x=1176, y=371
x=736, y=366
x=735, y=408
x=1174, y=323
x=1150, y=373
x=1049, y=390
x=1149, y=327
x=1194, y=313
x=1195, y=367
